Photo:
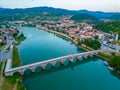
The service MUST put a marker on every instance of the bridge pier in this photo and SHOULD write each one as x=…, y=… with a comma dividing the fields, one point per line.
x=33, y=68
x=85, y=56
x=71, y=57
x=62, y=61
x=43, y=66
x=53, y=63
x=10, y=71
x=78, y=58
x=22, y=71
x=96, y=53
x=91, y=55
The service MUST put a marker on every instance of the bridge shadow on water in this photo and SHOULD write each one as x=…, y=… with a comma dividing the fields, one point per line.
x=61, y=67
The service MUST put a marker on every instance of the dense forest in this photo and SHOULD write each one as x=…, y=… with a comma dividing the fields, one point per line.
x=30, y=16
x=115, y=17
x=83, y=17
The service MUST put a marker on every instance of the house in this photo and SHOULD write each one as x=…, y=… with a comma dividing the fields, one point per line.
x=1, y=39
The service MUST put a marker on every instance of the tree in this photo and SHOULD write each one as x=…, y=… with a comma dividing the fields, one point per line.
x=78, y=42
x=115, y=62
x=96, y=37
x=95, y=44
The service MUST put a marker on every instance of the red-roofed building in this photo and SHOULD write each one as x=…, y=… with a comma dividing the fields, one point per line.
x=1, y=39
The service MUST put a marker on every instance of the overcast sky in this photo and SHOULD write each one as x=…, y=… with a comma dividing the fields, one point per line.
x=93, y=5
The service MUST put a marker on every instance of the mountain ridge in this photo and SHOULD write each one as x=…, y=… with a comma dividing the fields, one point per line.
x=97, y=14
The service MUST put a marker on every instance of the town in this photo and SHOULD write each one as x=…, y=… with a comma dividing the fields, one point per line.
x=8, y=36
x=77, y=30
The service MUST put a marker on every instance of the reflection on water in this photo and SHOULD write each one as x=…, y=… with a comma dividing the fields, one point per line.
x=61, y=67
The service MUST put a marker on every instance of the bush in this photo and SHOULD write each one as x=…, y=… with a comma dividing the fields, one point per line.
x=78, y=42
x=95, y=44
x=0, y=66
x=115, y=62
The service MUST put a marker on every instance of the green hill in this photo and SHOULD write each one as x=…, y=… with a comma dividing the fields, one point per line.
x=83, y=17
x=115, y=17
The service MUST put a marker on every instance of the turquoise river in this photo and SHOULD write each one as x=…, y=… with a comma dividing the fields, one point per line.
x=89, y=74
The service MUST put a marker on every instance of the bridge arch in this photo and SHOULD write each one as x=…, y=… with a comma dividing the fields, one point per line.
x=66, y=61
x=48, y=63
x=38, y=69
x=91, y=55
x=74, y=59
x=27, y=71
x=85, y=56
x=48, y=66
x=57, y=64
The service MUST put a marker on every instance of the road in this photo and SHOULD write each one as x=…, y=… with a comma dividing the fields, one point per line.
x=3, y=53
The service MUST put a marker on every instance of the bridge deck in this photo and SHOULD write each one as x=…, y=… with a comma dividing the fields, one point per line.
x=8, y=69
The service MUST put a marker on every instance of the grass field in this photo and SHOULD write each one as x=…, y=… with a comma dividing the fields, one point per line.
x=16, y=59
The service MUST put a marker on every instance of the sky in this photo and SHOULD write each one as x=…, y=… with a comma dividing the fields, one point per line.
x=92, y=5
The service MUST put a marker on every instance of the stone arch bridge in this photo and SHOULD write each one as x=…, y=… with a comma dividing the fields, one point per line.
x=10, y=71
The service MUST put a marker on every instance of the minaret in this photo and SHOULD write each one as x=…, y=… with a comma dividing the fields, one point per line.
x=116, y=37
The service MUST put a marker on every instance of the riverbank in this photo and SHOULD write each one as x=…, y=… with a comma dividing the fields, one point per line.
x=84, y=47
x=16, y=58
x=63, y=35
x=12, y=82
x=19, y=39
x=69, y=38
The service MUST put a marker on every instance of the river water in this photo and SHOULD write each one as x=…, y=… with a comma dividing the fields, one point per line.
x=89, y=74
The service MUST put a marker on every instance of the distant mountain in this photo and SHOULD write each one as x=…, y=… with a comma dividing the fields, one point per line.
x=98, y=14
x=34, y=10
x=115, y=17
x=83, y=17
